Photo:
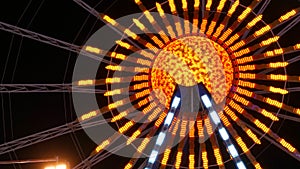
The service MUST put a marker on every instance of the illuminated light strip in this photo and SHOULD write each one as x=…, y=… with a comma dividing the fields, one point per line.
x=159, y=121
x=191, y=161
x=183, y=128
x=204, y=156
x=124, y=44
x=253, y=136
x=128, y=166
x=242, y=52
x=254, y=21
x=244, y=14
x=126, y=127
x=120, y=116
x=237, y=45
x=154, y=114
x=89, y=115
x=113, y=80
x=269, y=115
x=287, y=145
x=184, y=5
x=269, y=41
x=133, y=137
x=242, y=144
x=233, y=8
x=246, y=68
x=92, y=49
x=218, y=157
x=257, y=166
x=226, y=34
x=172, y=6
x=203, y=25
x=102, y=145
x=149, y=108
x=287, y=15
x=211, y=28
x=140, y=86
x=109, y=20
x=221, y=5
x=278, y=90
x=143, y=145
x=236, y=119
x=208, y=5
x=219, y=30
x=114, y=92
x=166, y=22
x=262, y=31
x=178, y=159
x=278, y=64
x=166, y=156
x=200, y=129
x=85, y=82
x=115, y=104
x=262, y=126
x=247, y=76
x=208, y=126
x=232, y=39
x=245, y=60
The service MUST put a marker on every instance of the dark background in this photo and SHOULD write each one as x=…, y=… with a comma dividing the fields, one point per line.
x=24, y=60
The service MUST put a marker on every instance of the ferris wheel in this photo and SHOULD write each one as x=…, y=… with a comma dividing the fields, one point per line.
x=182, y=84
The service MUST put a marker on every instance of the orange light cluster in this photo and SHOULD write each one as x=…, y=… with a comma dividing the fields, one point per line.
x=254, y=21
x=178, y=159
x=287, y=15
x=89, y=115
x=166, y=156
x=253, y=136
x=244, y=14
x=287, y=145
x=262, y=31
x=242, y=144
x=233, y=7
x=102, y=145
x=218, y=156
x=143, y=145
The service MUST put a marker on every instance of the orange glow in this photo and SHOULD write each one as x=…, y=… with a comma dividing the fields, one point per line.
x=241, y=100
x=232, y=39
x=129, y=33
x=296, y=47
x=219, y=30
x=246, y=84
x=139, y=24
x=211, y=28
x=166, y=157
x=200, y=129
x=209, y=128
x=246, y=68
x=287, y=15
x=287, y=145
x=253, y=136
x=160, y=120
x=117, y=55
x=154, y=114
x=88, y=115
x=178, y=159
x=142, y=93
x=257, y=166
x=149, y=16
x=183, y=127
x=203, y=25
x=102, y=145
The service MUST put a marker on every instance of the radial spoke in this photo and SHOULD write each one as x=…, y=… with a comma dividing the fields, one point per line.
x=46, y=88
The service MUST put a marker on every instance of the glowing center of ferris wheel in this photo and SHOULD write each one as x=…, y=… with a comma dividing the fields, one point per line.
x=188, y=61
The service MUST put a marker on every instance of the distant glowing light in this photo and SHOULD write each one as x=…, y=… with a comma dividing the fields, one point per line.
x=206, y=101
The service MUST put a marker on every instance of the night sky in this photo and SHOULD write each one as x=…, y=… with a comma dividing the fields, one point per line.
x=25, y=61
